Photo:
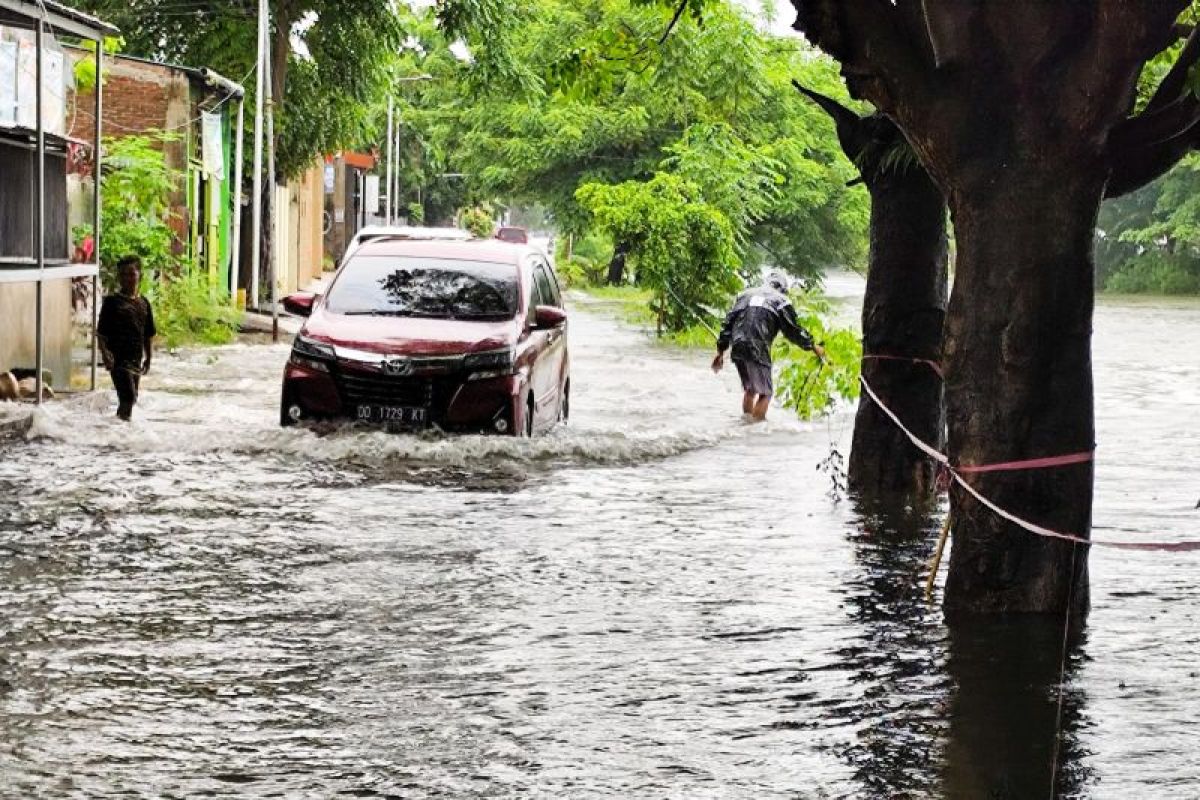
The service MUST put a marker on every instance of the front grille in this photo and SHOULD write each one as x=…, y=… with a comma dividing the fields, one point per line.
x=359, y=388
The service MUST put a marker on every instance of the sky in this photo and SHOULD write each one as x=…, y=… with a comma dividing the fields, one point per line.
x=782, y=11
x=776, y=16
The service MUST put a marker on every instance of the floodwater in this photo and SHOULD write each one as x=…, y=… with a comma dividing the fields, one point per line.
x=658, y=602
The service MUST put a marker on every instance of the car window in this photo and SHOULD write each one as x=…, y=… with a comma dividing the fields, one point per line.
x=544, y=287
x=425, y=287
x=535, y=291
x=555, y=287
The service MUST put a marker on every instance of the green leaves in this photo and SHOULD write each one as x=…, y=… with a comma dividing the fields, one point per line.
x=328, y=95
x=1151, y=238
x=681, y=247
x=135, y=215
x=135, y=211
x=807, y=386
x=712, y=103
x=742, y=180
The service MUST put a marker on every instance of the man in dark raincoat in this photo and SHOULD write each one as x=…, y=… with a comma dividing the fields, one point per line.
x=758, y=316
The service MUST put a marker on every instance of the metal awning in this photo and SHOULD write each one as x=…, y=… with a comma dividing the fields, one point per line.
x=60, y=17
x=47, y=18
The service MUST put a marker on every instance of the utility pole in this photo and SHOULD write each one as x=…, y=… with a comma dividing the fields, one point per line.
x=393, y=146
x=387, y=208
x=269, y=241
x=256, y=208
x=235, y=261
x=395, y=192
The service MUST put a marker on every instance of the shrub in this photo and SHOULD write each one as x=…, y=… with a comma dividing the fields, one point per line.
x=188, y=311
x=477, y=221
x=1156, y=273
x=135, y=207
x=681, y=247
x=581, y=271
x=135, y=214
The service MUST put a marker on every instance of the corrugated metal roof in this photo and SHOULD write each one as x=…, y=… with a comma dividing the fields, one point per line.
x=51, y=10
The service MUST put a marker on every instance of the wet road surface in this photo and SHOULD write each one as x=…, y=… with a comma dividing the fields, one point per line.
x=659, y=601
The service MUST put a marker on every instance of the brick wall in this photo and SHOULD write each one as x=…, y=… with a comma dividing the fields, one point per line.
x=140, y=97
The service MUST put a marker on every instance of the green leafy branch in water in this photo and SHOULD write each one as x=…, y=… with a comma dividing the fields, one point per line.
x=807, y=386
x=834, y=465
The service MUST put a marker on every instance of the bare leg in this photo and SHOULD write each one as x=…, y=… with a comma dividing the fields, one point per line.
x=748, y=401
x=761, y=406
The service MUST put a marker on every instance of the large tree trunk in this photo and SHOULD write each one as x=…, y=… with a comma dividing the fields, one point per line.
x=903, y=312
x=1019, y=384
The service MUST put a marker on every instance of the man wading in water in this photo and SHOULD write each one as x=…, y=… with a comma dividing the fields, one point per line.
x=758, y=316
x=126, y=332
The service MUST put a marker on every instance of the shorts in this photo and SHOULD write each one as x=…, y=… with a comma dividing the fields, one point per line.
x=755, y=377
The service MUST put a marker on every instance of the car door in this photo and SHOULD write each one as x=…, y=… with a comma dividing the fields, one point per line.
x=554, y=356
x=541, y=380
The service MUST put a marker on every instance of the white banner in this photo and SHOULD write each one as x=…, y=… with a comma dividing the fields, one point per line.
x=371, y=198
x=212, y=139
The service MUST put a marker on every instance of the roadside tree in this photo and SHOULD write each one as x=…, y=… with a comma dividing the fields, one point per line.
x=1021, y=113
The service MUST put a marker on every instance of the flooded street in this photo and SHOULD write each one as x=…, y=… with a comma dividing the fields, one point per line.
x=658, y=601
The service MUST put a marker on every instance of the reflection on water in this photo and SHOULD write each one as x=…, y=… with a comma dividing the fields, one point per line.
x=900, y=656
x=1005, y=739
x=658, y=602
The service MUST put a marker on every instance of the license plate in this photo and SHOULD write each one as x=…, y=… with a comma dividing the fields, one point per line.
x=393, y=416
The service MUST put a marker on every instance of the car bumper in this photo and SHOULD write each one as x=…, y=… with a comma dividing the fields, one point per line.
x=452, y=403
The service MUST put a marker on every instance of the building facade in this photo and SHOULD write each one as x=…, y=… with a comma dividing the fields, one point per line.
x=194, y=111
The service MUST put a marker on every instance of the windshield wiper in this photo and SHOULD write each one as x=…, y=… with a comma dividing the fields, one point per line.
x=379, y=313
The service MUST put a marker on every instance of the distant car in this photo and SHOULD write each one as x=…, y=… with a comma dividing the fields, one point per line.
x=371, y=233
x=466, y=336
x=513, y=235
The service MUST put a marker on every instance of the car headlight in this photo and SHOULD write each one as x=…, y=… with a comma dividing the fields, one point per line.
x=490, y=364
x=311, y=354
x=313, y=349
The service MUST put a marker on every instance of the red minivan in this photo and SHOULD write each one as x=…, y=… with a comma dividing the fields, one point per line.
x=466, y=336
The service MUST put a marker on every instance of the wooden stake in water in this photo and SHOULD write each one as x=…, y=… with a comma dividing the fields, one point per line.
x=936, y=562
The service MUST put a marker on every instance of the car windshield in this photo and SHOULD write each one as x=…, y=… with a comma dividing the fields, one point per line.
x=425, y=287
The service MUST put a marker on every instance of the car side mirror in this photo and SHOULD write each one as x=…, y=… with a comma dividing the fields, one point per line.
x=301, y=303
x=547, y=317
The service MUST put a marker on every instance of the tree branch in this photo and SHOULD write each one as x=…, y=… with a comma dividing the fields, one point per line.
x=683, y=4
x=1175, y=82
x=880, y=60
x=840, y=114
x=1151, y=127
x=1146, y=146
x=1134, y=168
x=847, y=123
x=946, y=26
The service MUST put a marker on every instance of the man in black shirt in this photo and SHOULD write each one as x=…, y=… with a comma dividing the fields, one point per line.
x=758, y=316
x=126, y=332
